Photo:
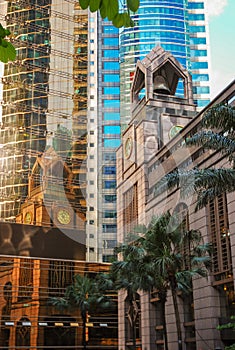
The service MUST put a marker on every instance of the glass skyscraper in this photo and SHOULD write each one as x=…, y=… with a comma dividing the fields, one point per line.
x=178, y=26
x=44, y=96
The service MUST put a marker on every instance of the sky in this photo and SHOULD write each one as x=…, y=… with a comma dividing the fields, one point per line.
x=222, y=43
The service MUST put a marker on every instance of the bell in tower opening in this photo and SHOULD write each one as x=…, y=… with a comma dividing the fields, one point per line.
x=160, y=84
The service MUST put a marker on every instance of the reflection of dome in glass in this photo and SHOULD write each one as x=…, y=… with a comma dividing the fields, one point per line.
x=174, y=130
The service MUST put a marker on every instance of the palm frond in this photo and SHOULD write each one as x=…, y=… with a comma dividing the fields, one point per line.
x=60, y=303
x=207, y=183
x=202, y=249
x=200, y=271
x=184, y=280
x=222, y=180
x=192, y=237
x=220, y=117
x=216, y=178
x=215, y=141
x=169, y=181
x=200, y=260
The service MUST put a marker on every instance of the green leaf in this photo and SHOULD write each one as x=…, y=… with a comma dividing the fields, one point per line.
x=127, y=20
x=4, y=43
x=94, y=5
x=2, y=31
x=119, y=20
x=7, y=51
x=103, y=10
x=7, y=32
x=112, y=9
x=133, y=5
x=84, y=4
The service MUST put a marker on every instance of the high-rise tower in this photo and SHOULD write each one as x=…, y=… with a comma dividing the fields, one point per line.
x=44, y=97
x=103, y=138
x=178, y=26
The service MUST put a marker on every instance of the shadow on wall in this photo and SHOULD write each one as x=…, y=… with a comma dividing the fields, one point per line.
x=41, y=242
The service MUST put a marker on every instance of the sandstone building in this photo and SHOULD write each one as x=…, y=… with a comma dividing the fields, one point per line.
x=153, y=145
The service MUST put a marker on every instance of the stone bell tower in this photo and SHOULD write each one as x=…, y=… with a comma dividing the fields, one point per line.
x=161, y=94
x=162, y=104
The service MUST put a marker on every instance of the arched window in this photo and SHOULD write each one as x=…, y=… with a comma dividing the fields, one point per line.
x=181, y=212
x=23, y=333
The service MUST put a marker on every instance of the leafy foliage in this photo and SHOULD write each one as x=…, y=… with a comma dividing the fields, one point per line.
x=175, y=253
x=110, y=9
x=231, y=326
x=165, y=256
x=131, y=274
x=84, y=294
x=210, y=182
x=175, y=257
x=7, y=50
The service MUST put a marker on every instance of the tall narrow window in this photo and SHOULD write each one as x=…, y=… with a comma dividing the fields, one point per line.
x=60, y=276
x=182, y=216
x=130, y=209
x=25, y=279
x=220, y=237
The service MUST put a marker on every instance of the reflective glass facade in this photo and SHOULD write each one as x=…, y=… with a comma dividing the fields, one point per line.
x=177, y=26
x=44, y=96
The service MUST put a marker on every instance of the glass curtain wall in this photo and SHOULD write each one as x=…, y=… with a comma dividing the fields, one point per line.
x=44, y=95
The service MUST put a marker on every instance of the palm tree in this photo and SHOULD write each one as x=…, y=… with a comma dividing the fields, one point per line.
x=130, y=274
x=231, y=326
x=176, y=256
x=219, y=135
x=83, y=294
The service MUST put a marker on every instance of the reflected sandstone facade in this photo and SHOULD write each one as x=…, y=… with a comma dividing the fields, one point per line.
x=26, y=319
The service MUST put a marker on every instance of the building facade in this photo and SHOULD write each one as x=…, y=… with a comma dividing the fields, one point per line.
x=153, y=145
x=103, y=138
x=29, y=321
x=178, y=26
x=44, y=97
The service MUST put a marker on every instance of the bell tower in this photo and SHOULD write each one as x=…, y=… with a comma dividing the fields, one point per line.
x=161, y=96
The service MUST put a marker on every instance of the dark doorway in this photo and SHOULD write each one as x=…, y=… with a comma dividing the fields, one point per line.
x=59, y=333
